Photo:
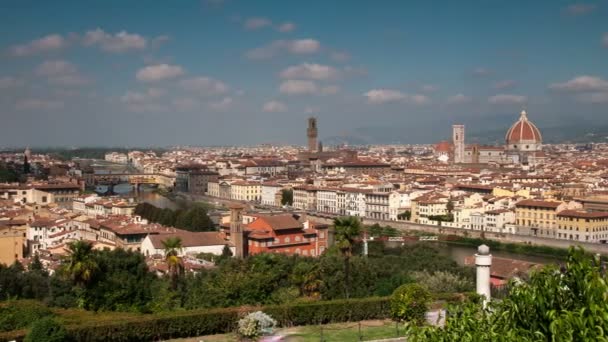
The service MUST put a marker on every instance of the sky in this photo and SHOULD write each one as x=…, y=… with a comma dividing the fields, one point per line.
x=235, y=72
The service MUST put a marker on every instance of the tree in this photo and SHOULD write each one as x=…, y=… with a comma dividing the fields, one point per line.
x=46, y=330
x=287, y=197
x=406, y=215
x=348, y=230
x=81, y=266
x=565, y=303
x=409, y=303
x=175, y=266
x=449, y=206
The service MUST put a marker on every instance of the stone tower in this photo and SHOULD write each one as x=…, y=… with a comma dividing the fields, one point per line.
x=236, y=230
x=458, y=139
x=311, y=132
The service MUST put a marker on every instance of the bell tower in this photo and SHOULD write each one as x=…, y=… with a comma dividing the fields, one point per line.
x=311, y=132
x=236, y=230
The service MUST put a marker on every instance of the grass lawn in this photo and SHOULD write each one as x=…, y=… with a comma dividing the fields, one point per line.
x=370, y=330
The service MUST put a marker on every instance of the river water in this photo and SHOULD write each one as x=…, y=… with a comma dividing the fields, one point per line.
x=146, y=194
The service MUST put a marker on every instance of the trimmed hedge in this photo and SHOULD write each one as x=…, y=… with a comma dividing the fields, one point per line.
x=218, y=321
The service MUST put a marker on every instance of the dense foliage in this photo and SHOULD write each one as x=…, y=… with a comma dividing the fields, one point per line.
x=20, y=314
x=409, y=303
x=287, y=197
x=46, y=330
x=569, y=303
x=194, y=219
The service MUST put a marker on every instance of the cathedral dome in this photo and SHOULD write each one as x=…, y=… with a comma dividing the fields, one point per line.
x=523, y=131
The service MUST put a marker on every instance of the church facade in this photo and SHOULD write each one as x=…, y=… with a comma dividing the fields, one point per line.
x=523, y=145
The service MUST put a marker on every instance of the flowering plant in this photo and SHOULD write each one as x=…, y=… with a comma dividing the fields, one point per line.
x=256, y=324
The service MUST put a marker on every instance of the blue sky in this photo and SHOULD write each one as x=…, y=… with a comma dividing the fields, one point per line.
x=246, y=72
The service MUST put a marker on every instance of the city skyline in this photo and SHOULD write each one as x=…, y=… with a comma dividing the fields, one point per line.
x=233, y=72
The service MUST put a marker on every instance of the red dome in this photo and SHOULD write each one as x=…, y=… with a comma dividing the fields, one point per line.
x=523, y=130
x=443, y=147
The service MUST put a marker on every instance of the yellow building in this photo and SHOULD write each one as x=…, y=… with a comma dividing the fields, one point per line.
x=579, y=225
x=500, y=192
x=538, y=217
x=12, y=242
x=246, y=191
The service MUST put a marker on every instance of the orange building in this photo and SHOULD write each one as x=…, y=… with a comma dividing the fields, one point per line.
x=285, y=234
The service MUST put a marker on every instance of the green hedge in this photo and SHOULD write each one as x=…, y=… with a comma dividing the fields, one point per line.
x=217, y=321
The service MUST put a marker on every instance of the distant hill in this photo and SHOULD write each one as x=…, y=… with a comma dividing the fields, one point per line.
x=581, y=133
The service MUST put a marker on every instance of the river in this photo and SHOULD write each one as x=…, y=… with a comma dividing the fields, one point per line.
x=146, y=194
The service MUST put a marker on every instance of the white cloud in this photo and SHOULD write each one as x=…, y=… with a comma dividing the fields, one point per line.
x=48, y=43
x=581, y=84
x=579, y=9
x=158, y=72
x=506, y=84
x=417, y=99
x=132, y=97
x=204, y=85
x=10, y=82
x=310, y=71
x=304, y=46
x=507, y=99
x=286, y=27
x=298, y=87
x=459, y=99
x=301, y=46
x=38, y=104
x=119, y=42
x=224, y=104
x=147, y=101
x=185, y=103
x=256, y=23
x=379, y=96
x=61, y=72
x=274, y=107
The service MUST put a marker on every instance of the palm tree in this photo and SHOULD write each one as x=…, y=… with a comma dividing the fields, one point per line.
x=81, y=265
x=347, y=230
x=173, y=246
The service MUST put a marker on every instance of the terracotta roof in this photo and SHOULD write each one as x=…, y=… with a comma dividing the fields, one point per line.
x=281, y=222
x=583, y=214
x=537, y=203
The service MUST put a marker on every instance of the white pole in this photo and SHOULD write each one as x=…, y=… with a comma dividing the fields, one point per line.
x=483, y=261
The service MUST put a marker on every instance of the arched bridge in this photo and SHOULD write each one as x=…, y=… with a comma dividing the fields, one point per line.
x=131, y=178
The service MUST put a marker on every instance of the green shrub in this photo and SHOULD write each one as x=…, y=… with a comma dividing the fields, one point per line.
x=176, y=324
x=46, y=330
x=20, y=314
x=443, y=282
x=410, y=303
